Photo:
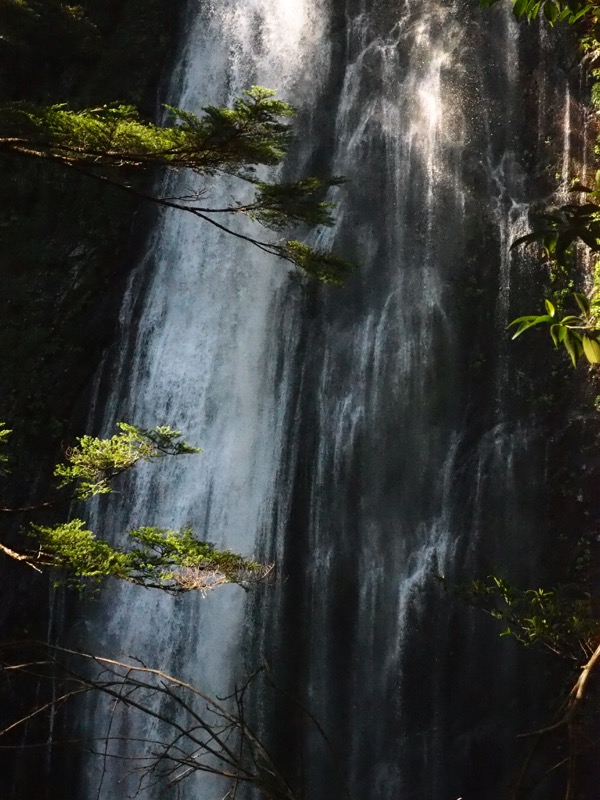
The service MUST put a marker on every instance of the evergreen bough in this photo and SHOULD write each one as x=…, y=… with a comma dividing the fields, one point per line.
x=175, y=561
x=113, y=144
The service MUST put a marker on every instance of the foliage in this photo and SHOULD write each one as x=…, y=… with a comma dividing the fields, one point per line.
x=175, y=561
x=158, y=558
x=94, y=463
x=595, y=94
x=279, y=204
x=115, y=145
x=561, y=619
x=554, y=11
x=160, y=548
x=557, y=230
x=229, y=140
x=76, y=550
x=578, y=333
x=4, y=434
x=322, y=265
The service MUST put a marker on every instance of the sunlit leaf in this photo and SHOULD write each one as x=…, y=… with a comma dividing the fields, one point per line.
x=529, y=323
x=550, y=242
x=571, y=320
x=519, y=8
x=523, y=319
x=579, y=14
x=557, y=332
x=591, y=348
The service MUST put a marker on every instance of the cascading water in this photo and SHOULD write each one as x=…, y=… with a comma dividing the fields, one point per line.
x=366, y=438
x=205, y=356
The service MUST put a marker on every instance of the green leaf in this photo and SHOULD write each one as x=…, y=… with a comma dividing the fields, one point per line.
x=588, y=237
x=557, y=332
x=523, y=319
x=4, y=434
x=583, y=303
x=94, y=463
x=591, y=348
x=551, y=11
x=577, y=16
x=569, y=342
x=550, y=242
x=570, y=320
x=529, y=238
x=529, y=322
x=319, y=264
x=550, y=308
x=279, y=205
x=519, y=8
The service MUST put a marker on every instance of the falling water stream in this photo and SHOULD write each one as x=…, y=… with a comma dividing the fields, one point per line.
x=366, y=439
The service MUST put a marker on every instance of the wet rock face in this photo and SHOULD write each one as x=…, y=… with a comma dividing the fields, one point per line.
x=419, y=451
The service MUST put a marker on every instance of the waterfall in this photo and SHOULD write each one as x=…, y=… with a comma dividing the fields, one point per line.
x=367, y=439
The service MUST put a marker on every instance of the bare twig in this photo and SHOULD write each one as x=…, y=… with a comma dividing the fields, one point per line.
x=208, y=736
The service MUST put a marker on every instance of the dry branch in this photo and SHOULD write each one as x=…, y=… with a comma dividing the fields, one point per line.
x=197, y=733
x=566, y=721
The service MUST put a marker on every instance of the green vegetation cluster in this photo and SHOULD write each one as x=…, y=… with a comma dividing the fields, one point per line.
x=174, y=561
x=570, y=11
x=114, y=146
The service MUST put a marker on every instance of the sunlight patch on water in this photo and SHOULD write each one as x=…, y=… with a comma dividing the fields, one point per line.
x=431, y=106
